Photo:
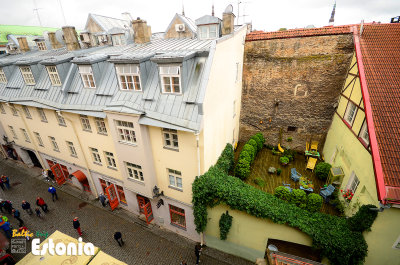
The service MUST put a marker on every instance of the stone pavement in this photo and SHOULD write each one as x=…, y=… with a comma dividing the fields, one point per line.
x=143, y=244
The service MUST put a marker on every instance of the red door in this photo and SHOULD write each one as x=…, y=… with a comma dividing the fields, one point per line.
x=112, y=196
x=58, y=174
x=148, y=212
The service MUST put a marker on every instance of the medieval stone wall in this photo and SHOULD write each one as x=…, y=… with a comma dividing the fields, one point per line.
x=293, y=82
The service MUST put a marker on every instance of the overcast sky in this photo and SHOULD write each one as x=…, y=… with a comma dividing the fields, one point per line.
x=267, y=15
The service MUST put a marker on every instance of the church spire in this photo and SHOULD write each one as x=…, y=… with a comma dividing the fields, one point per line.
x=332, y=19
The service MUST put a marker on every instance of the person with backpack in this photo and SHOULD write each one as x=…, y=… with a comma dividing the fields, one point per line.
x=8, y=206
x=77, y=225
x=40, y=202
x=17, y=215
x=26, y=206
x=118, y=238
x=53, y=192
x=103, y=199
x=6, y=181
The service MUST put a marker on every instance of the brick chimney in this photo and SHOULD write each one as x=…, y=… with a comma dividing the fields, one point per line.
x=23, y=44
x=71, y=38
x=53, y=41
x=142, y=32
x=228, y=19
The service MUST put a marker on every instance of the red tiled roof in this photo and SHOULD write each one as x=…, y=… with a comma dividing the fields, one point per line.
x=296, y=33
x=380, y=50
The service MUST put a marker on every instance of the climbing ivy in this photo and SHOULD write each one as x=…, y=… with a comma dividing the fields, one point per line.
x=225, y=223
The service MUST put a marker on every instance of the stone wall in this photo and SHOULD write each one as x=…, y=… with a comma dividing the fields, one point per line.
x=293, y=82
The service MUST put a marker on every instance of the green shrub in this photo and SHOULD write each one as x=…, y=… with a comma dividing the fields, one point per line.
x=289, y=139
x=226, y=159
x=261, y=136
x=270, y=146
x=250, y=149
x=282, y=193
x=253, y=143
x=322, y=170
x=290, y=154
x=242, y=169
x=298, y=197
x=225, y=223
x=245, y=155
x=363, y=219
x=275, y=152
x=278, y=171
x=284, y=160
x=258, y=141
x=314, y=202
x=260, y=182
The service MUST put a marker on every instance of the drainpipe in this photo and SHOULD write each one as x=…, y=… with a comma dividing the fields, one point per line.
x=198, y=173
x=84, y=157
x=31, y=137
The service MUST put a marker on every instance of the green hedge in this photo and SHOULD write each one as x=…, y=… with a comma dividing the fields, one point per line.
x=226, y=159
x=363, y=219
x=242, y=169
x=225, y=223
x=332, y=234
x=322, y=170
x=314, y=202
x=282, y=193
x=248, y=153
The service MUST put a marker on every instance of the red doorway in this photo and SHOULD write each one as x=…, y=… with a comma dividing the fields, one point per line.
x=60, y=172
x=112, y=196
x=145, y=208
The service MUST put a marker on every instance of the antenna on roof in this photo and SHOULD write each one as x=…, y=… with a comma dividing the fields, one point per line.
x=212, y=10
x=332, y=19
x=362, y=27
x=238, y=13
x=36, y=9
x=62, y=12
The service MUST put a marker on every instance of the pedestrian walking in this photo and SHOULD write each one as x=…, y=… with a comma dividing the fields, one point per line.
x=8, y=206
x=7, y=229
x=197, y=252
x=24, y=229
x=118, y=238
x=40, y=202
x=53, y=192
x=26, y=206
x=77, y=226
x=1, y=184
x=6, y=181
x=38, y=212
x=17, y=215
x=51, y=175
x=1, y=205
x=102, y=199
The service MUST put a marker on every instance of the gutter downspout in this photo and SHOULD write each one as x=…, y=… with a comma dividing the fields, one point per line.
x=31, y=137
x=84, y=157
x=198, y=173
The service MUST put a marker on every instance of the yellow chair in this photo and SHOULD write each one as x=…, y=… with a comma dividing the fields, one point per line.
x=314, y=146
x=311, y=163
x=280, y=148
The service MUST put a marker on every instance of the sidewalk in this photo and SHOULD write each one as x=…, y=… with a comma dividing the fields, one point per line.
x=146, y=244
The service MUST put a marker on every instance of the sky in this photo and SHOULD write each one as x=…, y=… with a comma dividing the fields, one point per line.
x=268, y=15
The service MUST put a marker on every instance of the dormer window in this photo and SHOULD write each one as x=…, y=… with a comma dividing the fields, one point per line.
x=208, y=32
x=3, y=78
x=41, y=45
x=118, y=40
x=53, y=75
x=27, y=75
x=87, y=76
x=128, y=77
x=103, y=39
x=170, y=79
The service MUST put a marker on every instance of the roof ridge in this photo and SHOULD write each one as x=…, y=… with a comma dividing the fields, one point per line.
x=108, y=17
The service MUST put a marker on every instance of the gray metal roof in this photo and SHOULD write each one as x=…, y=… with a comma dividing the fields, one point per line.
x=107, y=23
x=207, y=19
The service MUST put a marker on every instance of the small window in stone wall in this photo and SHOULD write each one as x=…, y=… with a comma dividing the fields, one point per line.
x=300, y=91
x=291, y=129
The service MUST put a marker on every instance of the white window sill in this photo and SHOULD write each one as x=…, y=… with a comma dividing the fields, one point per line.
x=137, y=181
x=76, y=156
x=27, y=141
x=127, y=143
x=113, y=168
x=178, y=226
x=101, y=133
x=171, y=148
x=64, y=125
x=85, y=130
x=43, y=121
x=56, y=150
x=97, y=163
x=175, y=188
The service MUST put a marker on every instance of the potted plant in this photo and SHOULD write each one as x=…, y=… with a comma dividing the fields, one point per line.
x=347, y=195
x=284, y=160
x=278, y=171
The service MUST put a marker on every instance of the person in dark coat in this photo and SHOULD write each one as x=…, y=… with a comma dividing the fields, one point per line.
x=53, y=192
x=6, y=181
x=118, y=238
x=197, y=252
x=77, y=226
x=102, y=199
x=38, y=212
x=7, y=229
x=1, y=184
x=8, y=206
x=40, y=202
x=17, y=215
x=26, y=206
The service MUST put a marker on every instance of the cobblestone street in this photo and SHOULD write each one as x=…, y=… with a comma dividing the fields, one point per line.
x=143, y=245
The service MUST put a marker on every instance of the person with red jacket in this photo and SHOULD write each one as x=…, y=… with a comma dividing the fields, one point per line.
x=40, y=202
x=77, y=225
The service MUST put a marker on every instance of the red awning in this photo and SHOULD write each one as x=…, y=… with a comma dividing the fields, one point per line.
x=79, y=175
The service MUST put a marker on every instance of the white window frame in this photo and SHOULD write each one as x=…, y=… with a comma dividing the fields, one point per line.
x=25, y=134
x=42, y=115
x=95, y=155
x=3, y=78
x=87, y=76
x=60, y=119
x=110, y=159
x=118, y=39
x=14, y=134
x=126, y=132
x=27, y=112
x=85, y=123
x=71, y=148
x=135, y=172
x=364, y=133
x=206, y=34
x=41, y=45
x=54, y=143
x=167, y=75
x=349, y=110
x=128, y=76
x=175, y=179
x=353, y=183
x=27, y=75
x=13, y=109
x=2, y=108
x=101, y=126
x=39, y=139
x=168, y=135
x=53, y=75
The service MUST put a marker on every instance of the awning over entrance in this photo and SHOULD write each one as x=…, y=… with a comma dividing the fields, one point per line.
x=79, y=175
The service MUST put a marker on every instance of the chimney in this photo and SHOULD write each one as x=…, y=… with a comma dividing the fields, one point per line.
x=142, y=31
x=228, y=19
x=23, y=44
x=53, y=41
x=71, y=38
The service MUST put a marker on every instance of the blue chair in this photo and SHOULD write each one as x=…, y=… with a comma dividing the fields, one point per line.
x=327, y=191
x=295, y=176
x=287, y=186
